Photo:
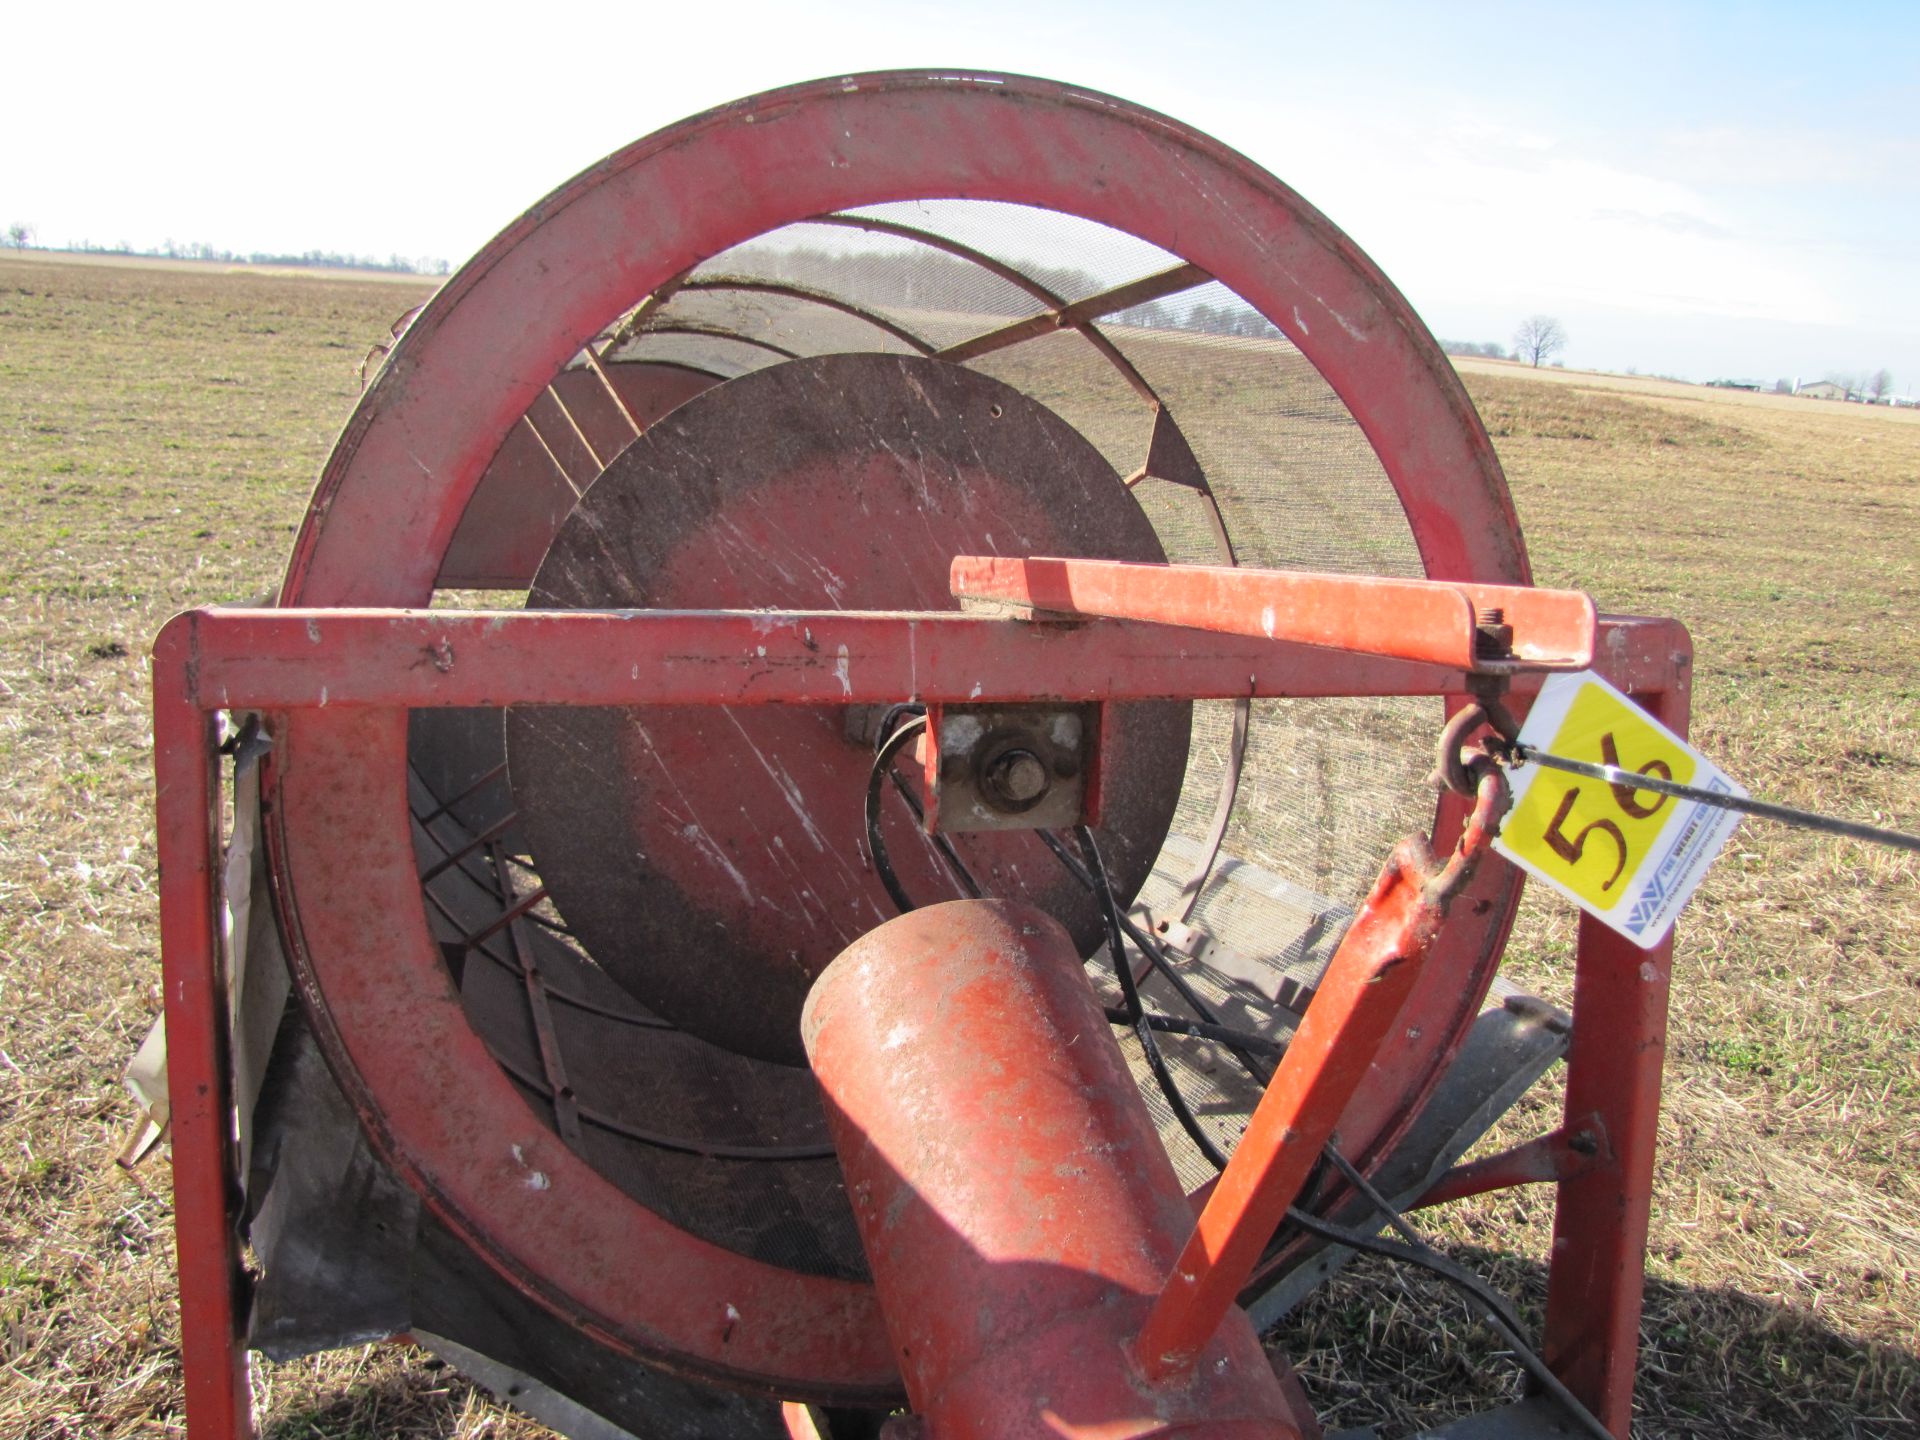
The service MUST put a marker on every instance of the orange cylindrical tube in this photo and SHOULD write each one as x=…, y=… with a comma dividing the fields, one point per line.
x=1017, y=1207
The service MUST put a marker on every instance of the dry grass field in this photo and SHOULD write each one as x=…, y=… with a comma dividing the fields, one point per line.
x=159, y=430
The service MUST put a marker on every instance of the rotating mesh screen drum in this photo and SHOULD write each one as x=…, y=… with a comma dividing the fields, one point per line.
x=795, y=354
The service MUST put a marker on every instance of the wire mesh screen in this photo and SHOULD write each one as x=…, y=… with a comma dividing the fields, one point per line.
x=1071, y=256
x=1065, y=373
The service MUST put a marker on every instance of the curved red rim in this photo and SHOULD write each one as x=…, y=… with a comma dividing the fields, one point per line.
x=423, y=435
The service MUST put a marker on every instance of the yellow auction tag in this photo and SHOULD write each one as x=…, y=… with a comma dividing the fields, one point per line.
x=1630, y=857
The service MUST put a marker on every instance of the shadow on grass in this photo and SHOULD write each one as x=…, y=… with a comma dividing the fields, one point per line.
x=408, y=1396
x=1388, y=1346
x=1379, y=1345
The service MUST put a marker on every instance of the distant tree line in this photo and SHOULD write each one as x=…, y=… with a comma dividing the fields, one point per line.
x=1487, y=349
x=20, y=236
x=928, y=280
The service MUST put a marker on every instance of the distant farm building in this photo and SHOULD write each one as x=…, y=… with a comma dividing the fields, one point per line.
x=1822, y=390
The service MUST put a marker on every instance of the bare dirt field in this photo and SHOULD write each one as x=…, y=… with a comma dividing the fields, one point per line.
x=160, y=427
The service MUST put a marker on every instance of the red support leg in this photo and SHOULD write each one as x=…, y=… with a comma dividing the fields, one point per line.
x=1597, y=1273
x=186, y=779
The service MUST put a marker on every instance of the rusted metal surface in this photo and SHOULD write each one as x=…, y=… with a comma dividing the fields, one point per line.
x=713, y=864
x=526, y=1203
x=756, y=286
x=1016, y=767
x=733, y=1151
x=319, y=659
x=1137, y=292
x=1017, y=278
x=1350, y=1019
x=1015, y=1203
x=1437, y=623
x=566, y=1104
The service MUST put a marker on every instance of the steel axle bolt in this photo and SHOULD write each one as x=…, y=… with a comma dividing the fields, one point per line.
x=1018, y=777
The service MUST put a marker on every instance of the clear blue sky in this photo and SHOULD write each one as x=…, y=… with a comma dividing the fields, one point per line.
x=1700, y=190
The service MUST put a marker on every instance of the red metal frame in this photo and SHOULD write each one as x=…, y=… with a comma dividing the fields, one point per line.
x=351, y=674
x=199, y=1077
x=395, y=492
x=1597, y=1274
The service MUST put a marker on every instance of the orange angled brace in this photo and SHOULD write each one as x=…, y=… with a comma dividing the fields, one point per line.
x=1436, y=621
x=1352, y=1014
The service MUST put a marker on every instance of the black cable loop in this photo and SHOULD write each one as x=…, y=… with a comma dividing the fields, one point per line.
x=1130, y=993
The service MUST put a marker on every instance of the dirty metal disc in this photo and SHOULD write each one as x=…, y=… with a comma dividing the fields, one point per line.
x=713, y=860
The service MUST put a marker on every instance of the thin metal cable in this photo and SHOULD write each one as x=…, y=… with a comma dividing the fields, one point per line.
x=1766, y=810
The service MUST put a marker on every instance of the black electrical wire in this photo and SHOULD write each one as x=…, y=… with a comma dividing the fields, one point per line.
x=1206, y=1028
x=1413, y=1249
x=1130, y=996
x=1236, y=1041
x=1200, y=1030
x=890, y=746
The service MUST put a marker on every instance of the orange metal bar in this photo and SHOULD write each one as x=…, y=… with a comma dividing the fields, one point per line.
x=1360, y=996
x=1015, y=1228
x=1364, y=987
x=1435, y=622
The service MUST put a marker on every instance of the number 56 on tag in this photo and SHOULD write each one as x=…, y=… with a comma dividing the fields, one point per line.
x=1629, y=857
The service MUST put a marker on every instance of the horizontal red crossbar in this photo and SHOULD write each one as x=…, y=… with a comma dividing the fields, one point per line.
x=1432, y=621
x=292, y=659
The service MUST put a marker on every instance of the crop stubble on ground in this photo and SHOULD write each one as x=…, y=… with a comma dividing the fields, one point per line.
x=159, y=431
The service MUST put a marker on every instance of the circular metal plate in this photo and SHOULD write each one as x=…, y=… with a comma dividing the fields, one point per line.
x=713, y=860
